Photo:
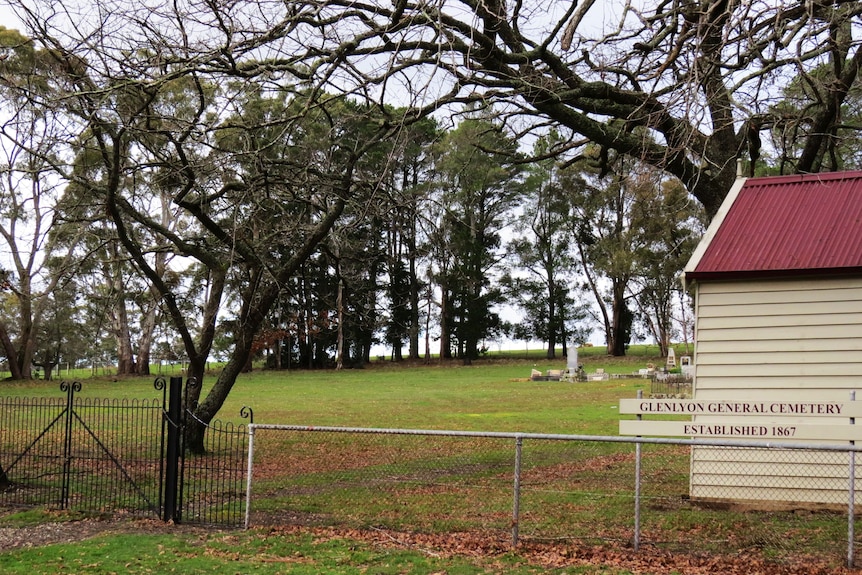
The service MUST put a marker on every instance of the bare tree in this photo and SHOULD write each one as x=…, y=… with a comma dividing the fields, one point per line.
x=150, y=111
x=683, y=85
x=686, y=86
x=29, y=137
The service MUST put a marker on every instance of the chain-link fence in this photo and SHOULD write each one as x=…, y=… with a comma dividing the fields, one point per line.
x=609, y=491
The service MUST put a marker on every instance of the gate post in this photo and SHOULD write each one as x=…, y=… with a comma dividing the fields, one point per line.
x=172, y=455
x=70, y=389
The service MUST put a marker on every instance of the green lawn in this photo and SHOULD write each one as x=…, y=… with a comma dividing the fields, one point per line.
x=268, y=553
x=590, y=481
x=490, y=395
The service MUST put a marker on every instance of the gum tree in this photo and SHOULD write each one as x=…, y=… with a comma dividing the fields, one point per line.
x=146, y=127
x=476, y=185
x=541, y=249
x=31, y=142
x=684, y=86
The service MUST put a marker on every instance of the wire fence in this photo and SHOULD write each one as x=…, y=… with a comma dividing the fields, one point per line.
x=779, y=502
x=609, y=491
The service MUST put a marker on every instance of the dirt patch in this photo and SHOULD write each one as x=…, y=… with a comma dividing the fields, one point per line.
x=548, y=555
x=561, y=555
x=80, y=530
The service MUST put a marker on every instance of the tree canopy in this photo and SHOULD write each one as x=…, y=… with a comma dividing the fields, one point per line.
x=700, y=78
x=272, y=145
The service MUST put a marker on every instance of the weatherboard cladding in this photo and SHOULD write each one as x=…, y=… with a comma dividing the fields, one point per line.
x=787, y=340
x=789, y=226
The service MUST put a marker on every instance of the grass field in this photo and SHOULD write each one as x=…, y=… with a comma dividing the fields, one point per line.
x=492, y=395
x=299, y=552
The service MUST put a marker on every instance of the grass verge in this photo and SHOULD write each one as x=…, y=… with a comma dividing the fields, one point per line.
x=273, y=552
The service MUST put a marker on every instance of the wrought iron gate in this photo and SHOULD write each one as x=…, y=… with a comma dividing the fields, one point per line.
x=119, y=456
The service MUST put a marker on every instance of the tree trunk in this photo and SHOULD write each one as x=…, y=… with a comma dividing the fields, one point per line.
x=25, y=357
x=49, y=370
x=339, y=304
x=11, y=354
x=151, y=307
x=205, y=411
x=125, y=357
x=413, y=330
x=617, y=344
x=428, y=328
x=277, y=347
x=145, y=341
x=308, y=324
x=120, y=317
x=256, y=305
x=607, y=320
x=445, y=324
x=27, y=346
x=552, y=320
x=142, y=363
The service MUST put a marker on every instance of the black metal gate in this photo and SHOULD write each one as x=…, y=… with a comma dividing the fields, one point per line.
x=211, y=485
x=119, y=456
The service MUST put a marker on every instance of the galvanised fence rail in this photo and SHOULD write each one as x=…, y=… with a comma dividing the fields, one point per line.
x=617, y=492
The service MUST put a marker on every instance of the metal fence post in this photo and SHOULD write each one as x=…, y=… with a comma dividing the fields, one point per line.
x=172, y=475
x=516, y=504
x=70, y=389
x=637, y=527
x=851, y=511
x=161, y=385
x=248, y=474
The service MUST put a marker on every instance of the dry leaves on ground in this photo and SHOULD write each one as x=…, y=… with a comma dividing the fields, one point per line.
x=476, y=545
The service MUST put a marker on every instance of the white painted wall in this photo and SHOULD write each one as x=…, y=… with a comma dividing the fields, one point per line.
x=787, y=340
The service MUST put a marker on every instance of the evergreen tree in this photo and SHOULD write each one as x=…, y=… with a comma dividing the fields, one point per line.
x=478, y=183
x=542, y=250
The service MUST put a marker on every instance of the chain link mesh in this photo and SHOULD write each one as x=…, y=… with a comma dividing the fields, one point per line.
x=572, y=490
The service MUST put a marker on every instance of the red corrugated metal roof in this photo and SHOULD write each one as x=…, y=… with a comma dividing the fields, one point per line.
x=788, y=225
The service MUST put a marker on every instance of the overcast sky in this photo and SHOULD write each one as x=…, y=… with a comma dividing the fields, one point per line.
x=7, y=17
x=9, y=20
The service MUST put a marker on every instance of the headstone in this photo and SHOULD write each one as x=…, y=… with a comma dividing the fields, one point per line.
x=671, y=358
x=572, y=359
x=686, y=365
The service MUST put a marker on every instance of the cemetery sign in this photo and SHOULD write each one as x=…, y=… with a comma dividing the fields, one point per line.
x=746, y=419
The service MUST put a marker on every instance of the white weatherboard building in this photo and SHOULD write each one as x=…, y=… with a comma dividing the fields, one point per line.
x=778, y=280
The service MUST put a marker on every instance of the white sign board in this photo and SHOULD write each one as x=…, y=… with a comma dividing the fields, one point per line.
x=770, y=407
x=740, y=430
x=761, y=420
